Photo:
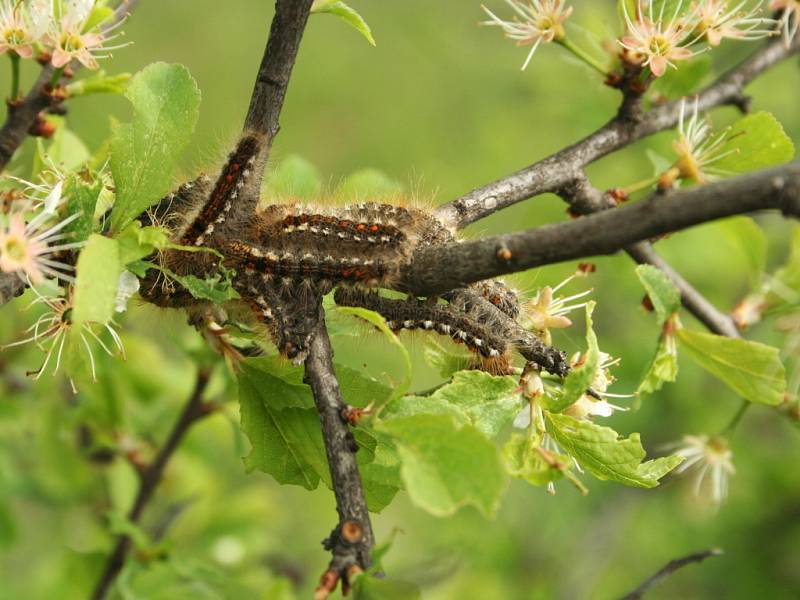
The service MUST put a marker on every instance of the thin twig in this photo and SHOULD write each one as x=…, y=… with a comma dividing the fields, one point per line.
x=149, y=479
x=352, y=539
x=436, y=270
x=557, y=170
x=668, y=570
x=272, y=81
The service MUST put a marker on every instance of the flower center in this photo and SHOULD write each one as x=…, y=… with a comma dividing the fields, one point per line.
x=14, y=36
x=71, y=42
x=15, y=250
x=660, y=46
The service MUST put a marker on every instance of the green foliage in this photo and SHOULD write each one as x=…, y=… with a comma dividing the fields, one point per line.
x=97, y=278
x=755, y=142
x=663, y=294
x=525, y=459
x=666, y=301
x=347, y=14
x=65, y=149
x=474, y=397
x=280, y=419
x=144, y=152
x=678, y=83
x=663, y=367
x=580, y=378
x=82, y=199
x=444, y=466
x=751, y=369
x=378, y=321
x=602, y=453
x=217, y=288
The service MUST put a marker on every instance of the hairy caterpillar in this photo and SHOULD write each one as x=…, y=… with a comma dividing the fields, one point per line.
x=288, y=256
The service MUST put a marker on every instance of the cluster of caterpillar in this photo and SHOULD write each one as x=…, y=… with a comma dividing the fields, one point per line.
x=288, y=256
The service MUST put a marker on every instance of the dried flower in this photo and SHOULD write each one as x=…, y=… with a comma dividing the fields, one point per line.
x=790, y=17
x=709, y=457
x=657, y=43
x=541, y=21
x=28, y=248
x=698, y=148
x=716, y=20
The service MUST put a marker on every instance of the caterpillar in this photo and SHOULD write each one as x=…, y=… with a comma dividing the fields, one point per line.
x=286, y=257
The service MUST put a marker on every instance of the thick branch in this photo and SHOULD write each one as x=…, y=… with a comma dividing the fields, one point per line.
x=668, y=570
x=557, y=170
x=21, y=117
x=150, y=477
x=585, y=199
x=438, y=269
x=352, y=539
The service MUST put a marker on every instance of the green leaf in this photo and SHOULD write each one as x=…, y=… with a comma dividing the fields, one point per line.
x=605, y=455
x=751, y=369
x=751, y=240
x=98, y=273
x=446, y=361
x=379, y=322
x=372, y=588
x=785, y=284
x=286, y=440
x=217, y=288
x=144, y=152
x=663, y=294
x=136, y=242
x=523, y=460
x=81, y=199
x=662, y=368
x=474, y=397
x=368, y=184
x=65, y=149
x=445, y=467
x=757, y=141
x=279, y=417
x=677, y=83
x=347, y=14
x=579, y=379
x=294, y=177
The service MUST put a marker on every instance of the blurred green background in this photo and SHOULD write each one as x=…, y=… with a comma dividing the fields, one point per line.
x=441, y=106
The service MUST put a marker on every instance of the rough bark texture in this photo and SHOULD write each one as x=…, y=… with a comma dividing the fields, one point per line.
x=563, y=167
x=437, y=270
x=340, y=446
